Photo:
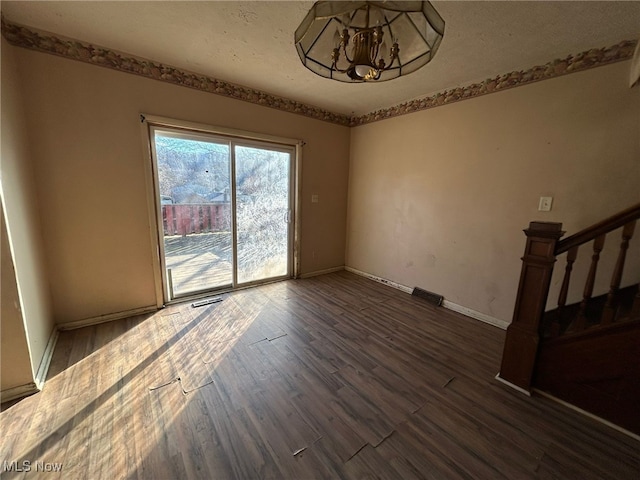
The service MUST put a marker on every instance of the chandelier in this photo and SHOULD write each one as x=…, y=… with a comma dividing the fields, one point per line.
x=368, y=41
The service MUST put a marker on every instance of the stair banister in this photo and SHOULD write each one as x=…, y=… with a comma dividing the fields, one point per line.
x=542, y=247
x=605, y=226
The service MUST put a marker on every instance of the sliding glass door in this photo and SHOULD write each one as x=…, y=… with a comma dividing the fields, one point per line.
x=224, y=211
x=262, y=189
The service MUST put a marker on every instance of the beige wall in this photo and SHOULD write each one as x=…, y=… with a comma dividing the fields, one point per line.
x=439, y=198
x=15, y=364
x=86, y=144
x=22, y=247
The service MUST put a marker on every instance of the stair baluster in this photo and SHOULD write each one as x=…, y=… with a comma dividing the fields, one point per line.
x=609, y=308
x=562, y=298
x=581, y=321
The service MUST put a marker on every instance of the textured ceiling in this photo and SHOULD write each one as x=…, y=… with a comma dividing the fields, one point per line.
x=251, y=43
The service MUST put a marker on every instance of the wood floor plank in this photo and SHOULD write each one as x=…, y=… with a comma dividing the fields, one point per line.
x=330, y=377
x=301, y=359
x=187, y=356
x=362, y=415
x=462, y=461
x=251, y=453
x=370, y=464
x=308, y=396
x=408, y=458
x=480, y=441
x=392, y=406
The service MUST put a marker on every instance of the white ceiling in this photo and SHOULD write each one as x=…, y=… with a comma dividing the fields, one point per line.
x=251, y=43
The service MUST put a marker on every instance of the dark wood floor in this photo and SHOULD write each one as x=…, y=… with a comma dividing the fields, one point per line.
x=329, y=377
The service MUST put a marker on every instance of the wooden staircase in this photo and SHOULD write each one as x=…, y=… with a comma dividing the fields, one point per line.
x=597, y=370
x=587, y=353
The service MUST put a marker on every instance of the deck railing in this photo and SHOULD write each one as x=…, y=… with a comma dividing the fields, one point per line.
x=185, y=219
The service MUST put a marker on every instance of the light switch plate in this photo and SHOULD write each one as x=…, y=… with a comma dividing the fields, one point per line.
x=314, y=198
x=545, y=204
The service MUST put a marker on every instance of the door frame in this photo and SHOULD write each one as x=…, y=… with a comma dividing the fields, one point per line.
x=153, y=203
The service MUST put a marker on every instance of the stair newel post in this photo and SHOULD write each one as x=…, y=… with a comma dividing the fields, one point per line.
x=521, y=343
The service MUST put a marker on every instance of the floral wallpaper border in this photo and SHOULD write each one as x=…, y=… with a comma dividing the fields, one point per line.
x=27, y=37
x=573, y=63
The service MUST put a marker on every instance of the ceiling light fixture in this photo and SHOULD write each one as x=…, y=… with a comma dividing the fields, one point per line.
x=349, y=41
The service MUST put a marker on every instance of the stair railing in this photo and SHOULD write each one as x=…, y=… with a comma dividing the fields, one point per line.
x=542, y=247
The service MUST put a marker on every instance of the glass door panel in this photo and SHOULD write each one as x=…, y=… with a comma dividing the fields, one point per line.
x=195, y=200
x=262, y=198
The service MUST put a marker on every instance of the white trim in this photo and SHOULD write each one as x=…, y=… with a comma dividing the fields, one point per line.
x=17, y=392
x=446, y=304
x=151, y=187
x=322, y=272
x=474, y=314
x=297, y=208
x=384, y=281
x=43, y=369
x=588, y=414
x=160, y=121
x=106, y=318
x=512, y=385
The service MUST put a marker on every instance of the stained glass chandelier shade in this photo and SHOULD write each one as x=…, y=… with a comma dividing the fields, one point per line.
x=368, y=41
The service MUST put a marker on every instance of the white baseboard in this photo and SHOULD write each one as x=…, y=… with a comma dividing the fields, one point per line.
x=106, y=318
x=496, y=322
x=384, y=281
x=37, y=385
x=17, y=392
x=43, y=368
x=512, y=385
x=588, y=414
x=321, y=272
x=446, y=304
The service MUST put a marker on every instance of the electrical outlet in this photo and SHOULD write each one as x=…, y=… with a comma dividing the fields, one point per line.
x=545, y=204
x=314, y=198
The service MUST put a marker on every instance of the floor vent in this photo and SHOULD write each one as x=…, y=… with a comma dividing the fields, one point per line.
x=428, y=296
x=206, y=301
